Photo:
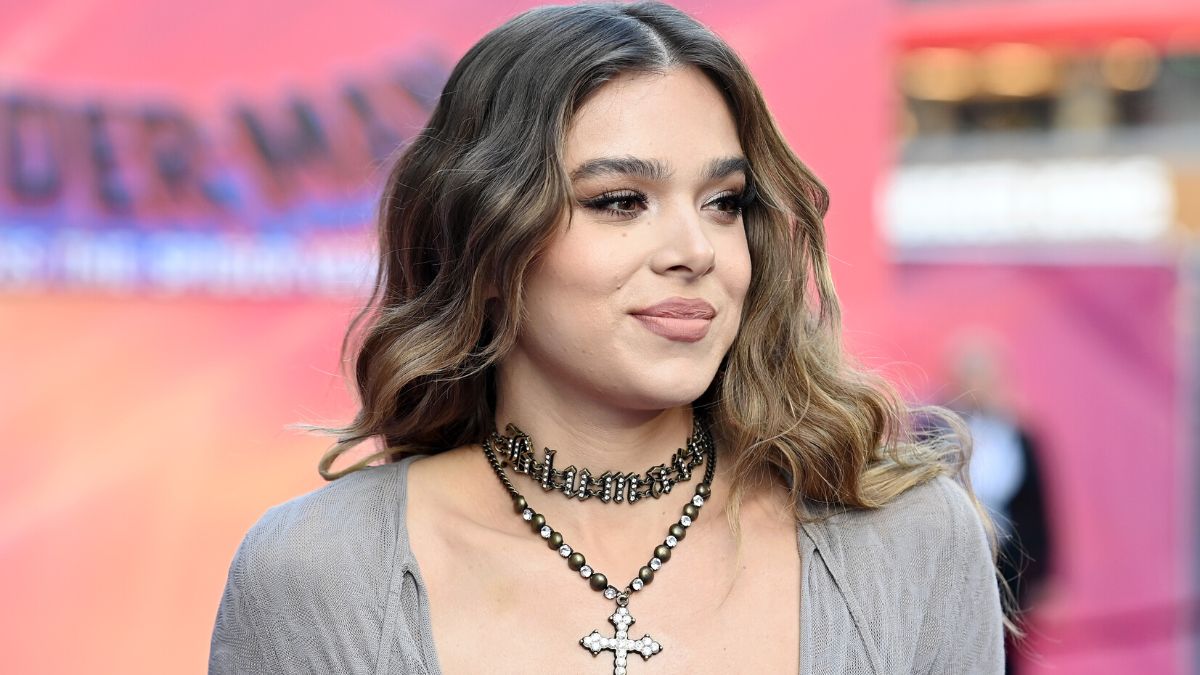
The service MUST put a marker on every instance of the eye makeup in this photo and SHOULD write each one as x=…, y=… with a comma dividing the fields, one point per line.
x=607, y=203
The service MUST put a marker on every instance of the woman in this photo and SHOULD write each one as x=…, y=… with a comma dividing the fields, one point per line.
x=602, y=240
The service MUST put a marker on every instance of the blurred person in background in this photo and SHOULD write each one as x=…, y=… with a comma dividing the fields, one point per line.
x=1006, y=471
x=601, y=241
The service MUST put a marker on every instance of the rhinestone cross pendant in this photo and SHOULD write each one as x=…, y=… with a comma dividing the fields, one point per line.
x=621, y=645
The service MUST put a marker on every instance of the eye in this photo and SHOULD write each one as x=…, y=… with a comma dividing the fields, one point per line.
x=620, y=203
x=732, y=205
x=625, y=203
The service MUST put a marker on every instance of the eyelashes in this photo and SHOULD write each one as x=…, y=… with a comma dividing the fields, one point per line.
x=622, y=203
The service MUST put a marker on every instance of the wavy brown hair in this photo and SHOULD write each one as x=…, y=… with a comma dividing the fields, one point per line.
x=473, y=200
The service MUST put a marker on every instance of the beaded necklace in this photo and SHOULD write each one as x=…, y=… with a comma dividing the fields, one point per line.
x=516, y=448
x=620, y=644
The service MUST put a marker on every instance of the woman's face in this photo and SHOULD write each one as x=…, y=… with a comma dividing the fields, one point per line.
x=639, y=297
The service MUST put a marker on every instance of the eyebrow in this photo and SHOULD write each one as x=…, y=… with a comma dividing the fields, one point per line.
x=654, y=170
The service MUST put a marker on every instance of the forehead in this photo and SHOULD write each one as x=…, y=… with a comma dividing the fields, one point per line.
x=678, y=117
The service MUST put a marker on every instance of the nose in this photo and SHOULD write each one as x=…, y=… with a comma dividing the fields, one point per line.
x=685, y=248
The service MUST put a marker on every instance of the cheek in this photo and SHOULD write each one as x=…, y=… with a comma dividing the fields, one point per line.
x=572, y=290
x=738, y=269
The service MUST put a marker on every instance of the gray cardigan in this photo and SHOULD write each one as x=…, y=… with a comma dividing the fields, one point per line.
x=326, y=583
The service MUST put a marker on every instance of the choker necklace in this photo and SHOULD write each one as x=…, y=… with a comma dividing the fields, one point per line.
x=621, y=644
x=516, y=450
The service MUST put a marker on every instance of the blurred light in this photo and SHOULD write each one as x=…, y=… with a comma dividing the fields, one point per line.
x=1183, y=50
x=1129, y=64
x=908, y=126
x=940, y=74
x=1018, y=69
x=998, y=202
x=1184, y=39
x=1187, y=202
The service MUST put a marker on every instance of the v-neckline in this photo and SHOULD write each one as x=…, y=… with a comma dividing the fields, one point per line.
x=804, y=546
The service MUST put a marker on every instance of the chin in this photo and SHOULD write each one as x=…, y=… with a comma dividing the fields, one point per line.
x=675, y=389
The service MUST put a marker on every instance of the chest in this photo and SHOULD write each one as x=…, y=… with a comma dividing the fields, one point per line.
x=511, y=608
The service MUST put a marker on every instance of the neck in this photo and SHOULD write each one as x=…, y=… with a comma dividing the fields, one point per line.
x=589, y=434
x=586, y=430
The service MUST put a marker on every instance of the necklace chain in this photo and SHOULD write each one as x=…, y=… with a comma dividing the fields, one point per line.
x=516, y=451
x=576, y=561
x=621, y=645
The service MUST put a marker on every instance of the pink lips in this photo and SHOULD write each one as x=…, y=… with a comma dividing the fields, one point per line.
x=679, y=319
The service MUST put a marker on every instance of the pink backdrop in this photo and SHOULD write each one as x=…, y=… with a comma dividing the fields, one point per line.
x=143, y=434
x=1092, y=355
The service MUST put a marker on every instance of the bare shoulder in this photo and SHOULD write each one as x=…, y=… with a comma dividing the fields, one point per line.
x=446, y=482
x=445, y=464
x=451, y=494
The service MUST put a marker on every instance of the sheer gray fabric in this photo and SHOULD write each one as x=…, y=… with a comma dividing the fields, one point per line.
x=326, y=583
